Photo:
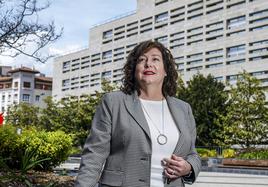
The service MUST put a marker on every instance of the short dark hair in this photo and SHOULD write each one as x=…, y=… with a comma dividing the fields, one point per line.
x=129, y=83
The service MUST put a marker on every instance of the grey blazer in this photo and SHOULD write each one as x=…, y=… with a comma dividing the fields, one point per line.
x=118, y=150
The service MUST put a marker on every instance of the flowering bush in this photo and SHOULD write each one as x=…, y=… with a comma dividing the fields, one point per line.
x=54, y=145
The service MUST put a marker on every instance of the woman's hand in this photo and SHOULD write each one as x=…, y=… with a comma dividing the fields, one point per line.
x=176, y=167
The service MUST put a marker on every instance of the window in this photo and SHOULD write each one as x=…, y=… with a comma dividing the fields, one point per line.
x=259, y=13
x=215, y=31
x=216, y=24
x=66, y=65
x=159, y=2
x=236, y=32
x=214, y=65
x=16, y=84
x=193, y=62
x=235, y=62
x=236, y=22
x=107, y=34
x=26, y=97
x=95, y=75
x=195, y=68
x=265, y=19
x=195, y=29
x=213, y=59
x=217, y=51
x=257, y=51
x=236, y=51
x=26, y=85
x=8, y=85
x=107, y=54
x=259, y=28
x=37, y=98
x=106, y=74
x=195, y=55
x=65, y=82
x=161, y=17
x=259, y=43
x=146, y=19
x=236, y=4
x=3, y=98
x=163, y=40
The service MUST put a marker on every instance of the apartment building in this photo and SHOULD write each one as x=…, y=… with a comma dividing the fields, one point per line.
x=23, y=85
x=218, y=37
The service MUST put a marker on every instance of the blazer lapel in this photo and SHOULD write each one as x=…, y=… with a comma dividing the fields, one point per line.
x=179, y=119
x=133, y=106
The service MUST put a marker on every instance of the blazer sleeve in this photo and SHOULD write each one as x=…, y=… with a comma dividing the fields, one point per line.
x=193, y=157
x=97, y=146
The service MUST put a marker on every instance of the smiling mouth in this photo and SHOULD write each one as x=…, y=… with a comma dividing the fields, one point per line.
x=148, y=73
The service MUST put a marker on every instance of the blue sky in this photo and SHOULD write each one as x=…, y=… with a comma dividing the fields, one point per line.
x=76, y=17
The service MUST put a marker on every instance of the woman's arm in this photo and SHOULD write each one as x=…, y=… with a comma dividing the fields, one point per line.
x=193, y=157
x=97, y=146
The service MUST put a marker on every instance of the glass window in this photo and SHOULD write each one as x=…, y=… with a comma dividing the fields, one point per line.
x=65, y=82
x=107, y=54
x=26, y=97
x=66, y=65
x=236, y=22
x=16, y=84
x=107, y=34
x=3, y=98
x=161, y=17
x=106, y=74
x=26, y=84
x=37, y=98
x=236, y=50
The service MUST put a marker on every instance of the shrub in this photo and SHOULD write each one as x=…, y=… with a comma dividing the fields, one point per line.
x=54, y=145
x=8, y=146
x=254, y=154
x=206, y=152
x=228, y=153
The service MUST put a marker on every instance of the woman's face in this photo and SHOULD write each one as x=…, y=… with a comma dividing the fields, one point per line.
x=150, y=68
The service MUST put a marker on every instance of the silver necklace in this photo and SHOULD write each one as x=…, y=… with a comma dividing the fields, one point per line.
x=161, y=138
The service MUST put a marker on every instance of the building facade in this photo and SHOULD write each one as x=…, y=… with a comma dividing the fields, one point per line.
x=23, y=85
x=218, y=37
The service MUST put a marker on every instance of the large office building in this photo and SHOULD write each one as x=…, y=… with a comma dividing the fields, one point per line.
x=218, y=37
x=23, y=85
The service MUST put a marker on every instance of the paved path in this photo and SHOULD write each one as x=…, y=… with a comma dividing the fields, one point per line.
x=215, y=179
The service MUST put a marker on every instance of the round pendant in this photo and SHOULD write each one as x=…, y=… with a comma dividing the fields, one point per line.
x=162, y=139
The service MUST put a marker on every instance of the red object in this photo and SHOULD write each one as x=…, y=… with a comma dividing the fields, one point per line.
x=1, y=119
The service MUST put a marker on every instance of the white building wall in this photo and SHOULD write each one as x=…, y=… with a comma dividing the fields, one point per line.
x=187, y=28
x=14, y=95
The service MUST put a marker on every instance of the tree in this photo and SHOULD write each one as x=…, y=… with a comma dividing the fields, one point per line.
x=72, y=114
x=23, y=115
x=20, y=27
x=208, y=99
x=246, y=122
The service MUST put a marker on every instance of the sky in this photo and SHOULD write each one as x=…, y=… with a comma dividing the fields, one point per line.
x=76, y=17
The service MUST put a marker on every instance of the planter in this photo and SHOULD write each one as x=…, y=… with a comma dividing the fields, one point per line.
x=245, y=162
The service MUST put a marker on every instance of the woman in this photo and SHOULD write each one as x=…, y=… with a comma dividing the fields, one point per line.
x=141, y=135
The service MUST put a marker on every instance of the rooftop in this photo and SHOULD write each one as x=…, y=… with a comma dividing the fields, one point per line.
x=23, y=69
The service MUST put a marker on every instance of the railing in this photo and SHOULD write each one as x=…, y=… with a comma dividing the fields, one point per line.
x=114, y=18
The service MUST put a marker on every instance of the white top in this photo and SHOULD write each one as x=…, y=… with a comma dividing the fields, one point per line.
x=154, y=110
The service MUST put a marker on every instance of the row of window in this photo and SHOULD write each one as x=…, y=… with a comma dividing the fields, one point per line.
x=25, y=98
x=26, y=85
x=229, y=78
x=161, y=20
x=230, y=52
x=94, y=83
